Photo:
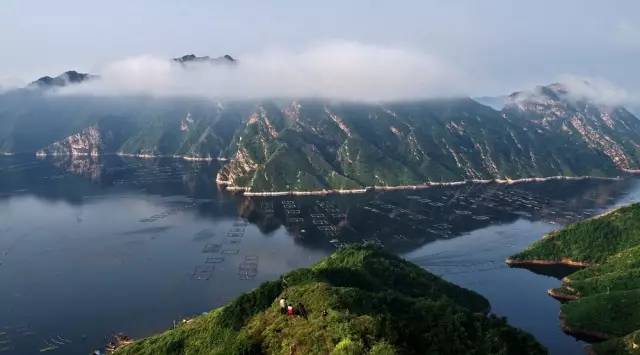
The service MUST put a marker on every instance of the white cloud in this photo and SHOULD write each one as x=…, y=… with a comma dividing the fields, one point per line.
x=338, y=69
x=595, y=89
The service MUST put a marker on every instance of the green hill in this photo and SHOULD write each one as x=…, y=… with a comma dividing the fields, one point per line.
x=605, y=297
x=359, y=300
x=591, y=241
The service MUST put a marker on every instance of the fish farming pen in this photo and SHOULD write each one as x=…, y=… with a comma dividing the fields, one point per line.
x=211, y=248
x=233, y=236
x=240, y=223
x=248, y=269
x=292, y=220
x=202, y=272
x=214, y=259
x=5, y=342
x=204, y=235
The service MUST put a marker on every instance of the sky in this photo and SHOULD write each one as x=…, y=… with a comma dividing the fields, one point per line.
x=419, y=47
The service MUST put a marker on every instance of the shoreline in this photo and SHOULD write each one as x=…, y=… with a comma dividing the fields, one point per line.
x=582, y=333
x=562, y=262
x=561, y=296
x=129, y=155
x=243, y=190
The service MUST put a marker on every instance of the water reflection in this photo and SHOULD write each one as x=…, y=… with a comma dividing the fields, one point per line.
x=402, y=221
x=555, y=271
x=89, y=246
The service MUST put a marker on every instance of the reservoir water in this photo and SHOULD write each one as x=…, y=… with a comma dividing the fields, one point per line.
x=90, y=247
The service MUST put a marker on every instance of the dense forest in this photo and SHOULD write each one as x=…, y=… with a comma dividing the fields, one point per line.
x=604, y=298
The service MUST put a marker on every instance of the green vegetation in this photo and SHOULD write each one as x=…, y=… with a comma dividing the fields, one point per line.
x=607, y=293
x=360, y=300
x=314, y=145
x=614, y=313
x=629, y=344
x=590, y=241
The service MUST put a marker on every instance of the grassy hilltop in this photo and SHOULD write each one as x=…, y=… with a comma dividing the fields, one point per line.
x=359, y=301
x=604, y=297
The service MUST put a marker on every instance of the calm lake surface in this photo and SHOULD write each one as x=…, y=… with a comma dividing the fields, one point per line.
x=91, y=247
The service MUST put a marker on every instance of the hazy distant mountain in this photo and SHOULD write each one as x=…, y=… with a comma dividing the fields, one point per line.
x=74, y=77
x=311, y=144
x=64, y=79
x=192, y=58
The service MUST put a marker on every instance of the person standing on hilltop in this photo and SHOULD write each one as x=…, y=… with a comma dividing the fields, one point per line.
x=283, y=305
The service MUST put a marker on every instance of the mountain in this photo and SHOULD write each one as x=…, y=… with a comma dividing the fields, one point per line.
x=74, y=77
x=360, y=300
x=603, y=299
x=64, y=79
x=318, y=144
x=32, y=121
x=609, y=130
x=192, y=58
x=314, y=145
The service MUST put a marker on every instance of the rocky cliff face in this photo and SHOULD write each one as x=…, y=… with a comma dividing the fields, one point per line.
x=612, y=131
x=314, y=145
x=87, y=142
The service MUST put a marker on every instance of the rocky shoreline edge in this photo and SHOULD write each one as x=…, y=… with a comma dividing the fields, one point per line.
x=244, y=191
x=563, y=262
x=41, y=154
x=582, y=333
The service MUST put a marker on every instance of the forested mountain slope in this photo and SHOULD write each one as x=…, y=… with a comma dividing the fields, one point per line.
x=316, y=144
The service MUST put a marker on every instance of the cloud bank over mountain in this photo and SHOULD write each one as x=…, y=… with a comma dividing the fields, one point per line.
x=335, y=69
x=598, y=90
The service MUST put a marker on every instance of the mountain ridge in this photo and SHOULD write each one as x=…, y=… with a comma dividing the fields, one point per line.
x=289, y=145
x=67, y=78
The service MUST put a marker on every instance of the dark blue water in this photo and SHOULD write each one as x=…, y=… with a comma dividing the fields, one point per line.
x=92, y=247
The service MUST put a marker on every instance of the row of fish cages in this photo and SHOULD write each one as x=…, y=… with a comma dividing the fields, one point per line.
x=217, y=252
x=170, y=212
x=12, y=338
x=248, y=268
